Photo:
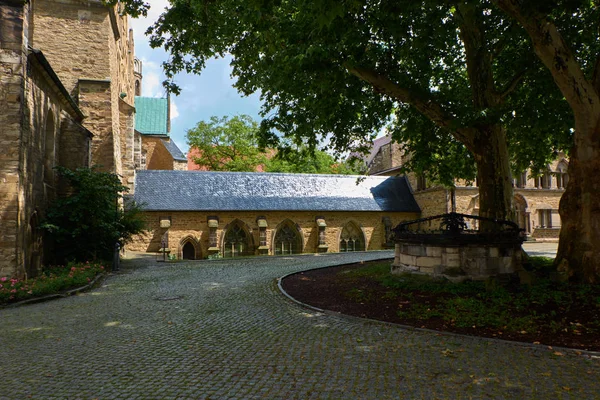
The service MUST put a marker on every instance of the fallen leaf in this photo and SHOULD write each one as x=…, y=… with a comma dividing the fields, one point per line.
x=558, y=353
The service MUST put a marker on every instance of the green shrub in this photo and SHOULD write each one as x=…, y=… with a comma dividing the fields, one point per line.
x=53, y=280
x=87, y=223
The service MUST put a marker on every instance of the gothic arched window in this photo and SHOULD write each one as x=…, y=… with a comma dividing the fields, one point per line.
x=237, y=241
x=287, y=239
x=352, y=238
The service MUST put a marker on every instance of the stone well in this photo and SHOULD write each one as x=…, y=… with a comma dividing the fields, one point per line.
x=454, y=251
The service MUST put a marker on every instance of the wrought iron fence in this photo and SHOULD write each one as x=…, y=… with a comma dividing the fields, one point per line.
x=456, y=229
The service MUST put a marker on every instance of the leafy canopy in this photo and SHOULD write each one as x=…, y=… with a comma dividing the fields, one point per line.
x=86, y=224
x=231, y=144
x=307, y=58
x=226, y=144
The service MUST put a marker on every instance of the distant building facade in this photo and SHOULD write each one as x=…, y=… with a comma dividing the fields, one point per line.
x=536, y=195
x=195, y=214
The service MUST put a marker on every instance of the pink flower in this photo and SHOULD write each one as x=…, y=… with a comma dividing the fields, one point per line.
x=3, y=279
x=14, y=291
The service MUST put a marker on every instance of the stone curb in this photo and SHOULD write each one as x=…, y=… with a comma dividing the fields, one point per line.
x=585, y=353
x=55, y=296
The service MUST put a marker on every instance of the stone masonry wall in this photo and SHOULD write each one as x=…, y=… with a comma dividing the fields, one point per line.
x=74, y=37
x=13, y=42
x=95, y=98
x=194, y=225
x=157, y=156
x=470, y=261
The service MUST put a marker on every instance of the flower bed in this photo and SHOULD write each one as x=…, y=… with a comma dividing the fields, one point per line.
x=53, y=280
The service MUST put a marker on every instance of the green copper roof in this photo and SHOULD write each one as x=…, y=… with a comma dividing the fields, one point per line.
x=151, y=115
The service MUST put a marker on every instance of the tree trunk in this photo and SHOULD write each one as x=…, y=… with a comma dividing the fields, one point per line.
x=578, y=256
x=493, y=175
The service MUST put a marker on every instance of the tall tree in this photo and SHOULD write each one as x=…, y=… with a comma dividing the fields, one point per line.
x=339, y=70
x=226, y=144
x=565, y=37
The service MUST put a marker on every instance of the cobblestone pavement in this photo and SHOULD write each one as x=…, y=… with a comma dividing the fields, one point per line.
x=221, y=329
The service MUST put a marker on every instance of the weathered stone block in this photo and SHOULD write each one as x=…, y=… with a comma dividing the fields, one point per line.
x=428, y=261
x=408, y=260
x=434, y=251
x=451, y=260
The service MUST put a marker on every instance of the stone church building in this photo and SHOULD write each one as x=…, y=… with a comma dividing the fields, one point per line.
x=71, y=95
x=68, y=86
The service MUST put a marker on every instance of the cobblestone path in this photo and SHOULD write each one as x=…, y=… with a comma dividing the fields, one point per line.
x=221, y=329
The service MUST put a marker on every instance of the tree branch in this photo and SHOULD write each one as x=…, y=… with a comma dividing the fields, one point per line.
x=512, y=85
x=479, y=59
x=426, y=106
x=553, y=51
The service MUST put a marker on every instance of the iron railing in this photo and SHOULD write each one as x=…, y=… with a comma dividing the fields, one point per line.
x=457, y=229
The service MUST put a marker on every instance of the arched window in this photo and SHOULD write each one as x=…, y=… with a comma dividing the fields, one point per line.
x=562, y=177
x=138, y=89
x=287, y=239
x=521, y=214
x=237, y=241
x=521, y=180
x=352, y=238
x=49, y=142
x=544, y=180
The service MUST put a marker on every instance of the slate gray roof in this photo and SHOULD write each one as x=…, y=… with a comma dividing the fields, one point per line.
x=174, y=150
x=254, y=191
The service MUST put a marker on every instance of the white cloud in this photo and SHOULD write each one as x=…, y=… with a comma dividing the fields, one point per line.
x=140, y=25
x=150, y=83
x=174, y=109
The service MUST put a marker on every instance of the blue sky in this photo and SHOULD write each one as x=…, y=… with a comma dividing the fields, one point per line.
x=202, y=96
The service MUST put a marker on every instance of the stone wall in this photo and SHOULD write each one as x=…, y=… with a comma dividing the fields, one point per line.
x=90, y=45
x=157, y=156
x=95, y=98
x=13, y=51
x=476, y=262
x=194, y=225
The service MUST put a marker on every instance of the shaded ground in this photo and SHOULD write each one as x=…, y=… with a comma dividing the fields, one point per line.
x=365, y=296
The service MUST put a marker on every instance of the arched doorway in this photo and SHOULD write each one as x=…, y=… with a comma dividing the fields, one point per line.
x=237, y=241
x=288, y=239
x=521, y=214
x=352, y=238
x=188, y=252
x=189, y=249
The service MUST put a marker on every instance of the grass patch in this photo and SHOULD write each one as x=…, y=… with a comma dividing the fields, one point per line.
x=55, y=279
x=543, y=306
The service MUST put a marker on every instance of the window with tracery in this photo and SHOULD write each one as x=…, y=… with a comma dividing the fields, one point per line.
x=236, y=242
x=352, y=238
x=288, y=239
x=562, y=177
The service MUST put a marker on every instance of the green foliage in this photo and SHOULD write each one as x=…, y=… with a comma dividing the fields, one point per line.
x=227, y=144
x=302, y=160
x=232, y=145
x=88, y=222
x=300, y=56
x=53, y=280
x=544, y=305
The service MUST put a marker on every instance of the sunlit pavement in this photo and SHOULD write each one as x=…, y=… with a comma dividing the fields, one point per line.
x=544, y=249
x=222, y=329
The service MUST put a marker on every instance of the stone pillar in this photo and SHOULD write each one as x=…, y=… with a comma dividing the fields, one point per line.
x=13, y=62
